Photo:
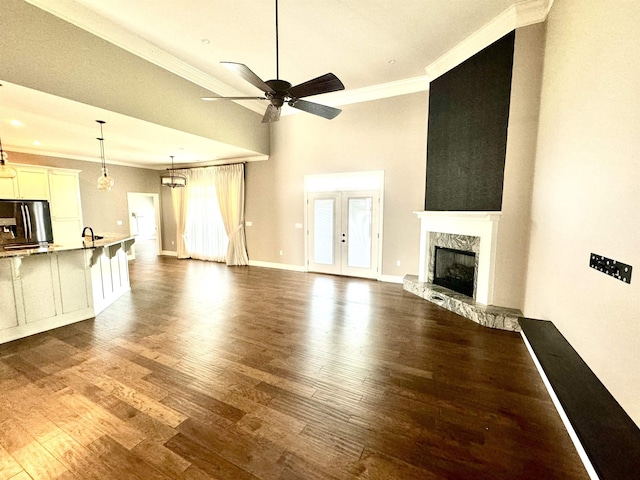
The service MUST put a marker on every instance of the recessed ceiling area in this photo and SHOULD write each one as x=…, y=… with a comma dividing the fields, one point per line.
x=68, y=129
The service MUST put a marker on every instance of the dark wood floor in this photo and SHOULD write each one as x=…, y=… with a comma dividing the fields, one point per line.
x=213, y=372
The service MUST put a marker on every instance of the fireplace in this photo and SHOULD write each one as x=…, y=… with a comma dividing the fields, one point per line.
x=475, y=232
x=454, y=269
x=470, y=239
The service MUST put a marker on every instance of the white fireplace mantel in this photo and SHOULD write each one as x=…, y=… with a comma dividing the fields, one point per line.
x=477, y=224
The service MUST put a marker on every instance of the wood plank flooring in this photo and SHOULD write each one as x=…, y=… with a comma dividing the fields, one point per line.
x=211, y=372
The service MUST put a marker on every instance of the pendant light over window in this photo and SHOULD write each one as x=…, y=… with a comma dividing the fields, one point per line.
x=105, y=182
x=6, y=171
x=173, y=179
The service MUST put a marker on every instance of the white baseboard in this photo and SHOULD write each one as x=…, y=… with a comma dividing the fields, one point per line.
x=281, y=266
x=169, y=253
x=391, y=278
x=563, y=415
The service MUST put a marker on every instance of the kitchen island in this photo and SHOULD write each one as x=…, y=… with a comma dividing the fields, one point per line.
x=46, y=288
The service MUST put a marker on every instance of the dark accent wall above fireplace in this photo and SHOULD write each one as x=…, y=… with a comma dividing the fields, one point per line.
x=467, y=136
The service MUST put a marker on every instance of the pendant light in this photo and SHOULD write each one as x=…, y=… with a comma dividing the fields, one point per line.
x=173, y=179
x=6, y=171
x=105, y=182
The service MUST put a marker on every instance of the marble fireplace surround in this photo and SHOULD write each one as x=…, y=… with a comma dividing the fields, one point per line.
x=462, y=227
x=471, y=231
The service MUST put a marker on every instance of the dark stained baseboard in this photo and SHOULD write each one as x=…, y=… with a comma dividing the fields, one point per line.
x=609, y=437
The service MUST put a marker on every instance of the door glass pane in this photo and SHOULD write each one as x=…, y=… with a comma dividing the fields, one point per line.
x=323, y=215
x=359, y=250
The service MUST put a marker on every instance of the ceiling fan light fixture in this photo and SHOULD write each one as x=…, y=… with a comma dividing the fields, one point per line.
x=172, y=179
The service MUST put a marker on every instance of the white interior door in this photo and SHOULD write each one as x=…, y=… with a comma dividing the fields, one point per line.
x=343, y=237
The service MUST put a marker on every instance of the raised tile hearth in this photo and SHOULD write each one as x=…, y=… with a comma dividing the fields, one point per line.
x=486, y=315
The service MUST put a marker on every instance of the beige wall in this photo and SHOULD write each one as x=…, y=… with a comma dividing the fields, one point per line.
x=585, y=196
x=101, y=210
x=513, y=231
x=387, y=135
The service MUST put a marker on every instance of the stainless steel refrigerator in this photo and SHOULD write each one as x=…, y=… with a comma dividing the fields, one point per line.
x=25, y=223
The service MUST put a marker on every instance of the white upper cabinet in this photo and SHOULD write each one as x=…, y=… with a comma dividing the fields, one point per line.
x=33, y=183
x=66, y=211
x=8, y=188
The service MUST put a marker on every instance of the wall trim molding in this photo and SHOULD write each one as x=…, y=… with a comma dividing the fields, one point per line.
x=391, y=279
x=516, y=16
x=281, y=266
x=169, y=253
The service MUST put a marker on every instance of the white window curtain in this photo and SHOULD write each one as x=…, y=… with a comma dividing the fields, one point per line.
x=210, y=215
x=230, y=189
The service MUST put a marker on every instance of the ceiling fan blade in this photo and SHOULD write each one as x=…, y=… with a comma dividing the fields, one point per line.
x=272, y=114
x=316, y=109
x=232, y=98
x=323, y=84
x=246, y=73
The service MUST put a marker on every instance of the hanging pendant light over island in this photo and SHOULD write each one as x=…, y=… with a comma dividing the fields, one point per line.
x=105, y=182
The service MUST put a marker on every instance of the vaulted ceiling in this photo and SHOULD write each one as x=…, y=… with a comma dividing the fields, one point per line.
x=376, y=47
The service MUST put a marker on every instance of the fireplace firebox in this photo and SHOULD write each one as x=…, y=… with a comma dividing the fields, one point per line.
x=455, y=270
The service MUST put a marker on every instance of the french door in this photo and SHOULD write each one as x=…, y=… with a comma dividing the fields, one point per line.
x=342, y=233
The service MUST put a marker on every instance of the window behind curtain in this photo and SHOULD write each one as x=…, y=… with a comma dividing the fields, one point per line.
x=205, y=235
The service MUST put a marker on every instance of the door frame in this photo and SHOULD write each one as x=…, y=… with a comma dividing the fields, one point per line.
x=155, y=197
x=346, y=182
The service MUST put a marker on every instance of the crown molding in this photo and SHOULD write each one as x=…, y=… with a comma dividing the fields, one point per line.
x=516, y=16
x=519, y=15
x=367, y=94
x=89, y=21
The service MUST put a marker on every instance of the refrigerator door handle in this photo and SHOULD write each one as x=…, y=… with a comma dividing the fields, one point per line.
x=24, y=221
x=26, y=209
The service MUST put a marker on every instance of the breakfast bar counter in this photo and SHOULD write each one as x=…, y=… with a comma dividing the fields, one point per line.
x=45, y=288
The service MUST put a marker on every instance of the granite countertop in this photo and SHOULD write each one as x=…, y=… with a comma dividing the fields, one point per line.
x=107, y=240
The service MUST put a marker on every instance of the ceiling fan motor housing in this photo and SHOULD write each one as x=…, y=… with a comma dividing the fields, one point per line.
x=280, y=91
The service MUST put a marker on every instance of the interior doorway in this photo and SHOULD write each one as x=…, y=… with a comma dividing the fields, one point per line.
x=144, y=223
x=343, y=225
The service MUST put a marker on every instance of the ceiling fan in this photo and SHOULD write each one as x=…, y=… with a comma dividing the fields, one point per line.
x=279, y=92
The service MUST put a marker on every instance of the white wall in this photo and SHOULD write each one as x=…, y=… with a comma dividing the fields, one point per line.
x=585, y=194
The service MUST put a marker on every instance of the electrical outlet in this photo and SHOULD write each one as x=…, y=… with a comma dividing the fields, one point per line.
x=618, y=270
x=119, y=222
x=398, y=263
x=248, y=223
x=173, y=242
x=280, y=252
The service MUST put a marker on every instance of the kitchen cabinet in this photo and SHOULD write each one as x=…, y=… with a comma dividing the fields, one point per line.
x=8, y=188
x=33, y=183
x=60, y=186
x=66, y=210
x=46, y=288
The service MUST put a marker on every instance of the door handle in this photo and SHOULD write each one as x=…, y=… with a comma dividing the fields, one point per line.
x=24, y=222
x=26, y=209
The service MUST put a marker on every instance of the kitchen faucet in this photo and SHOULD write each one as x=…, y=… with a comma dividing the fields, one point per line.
x=93, y=238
